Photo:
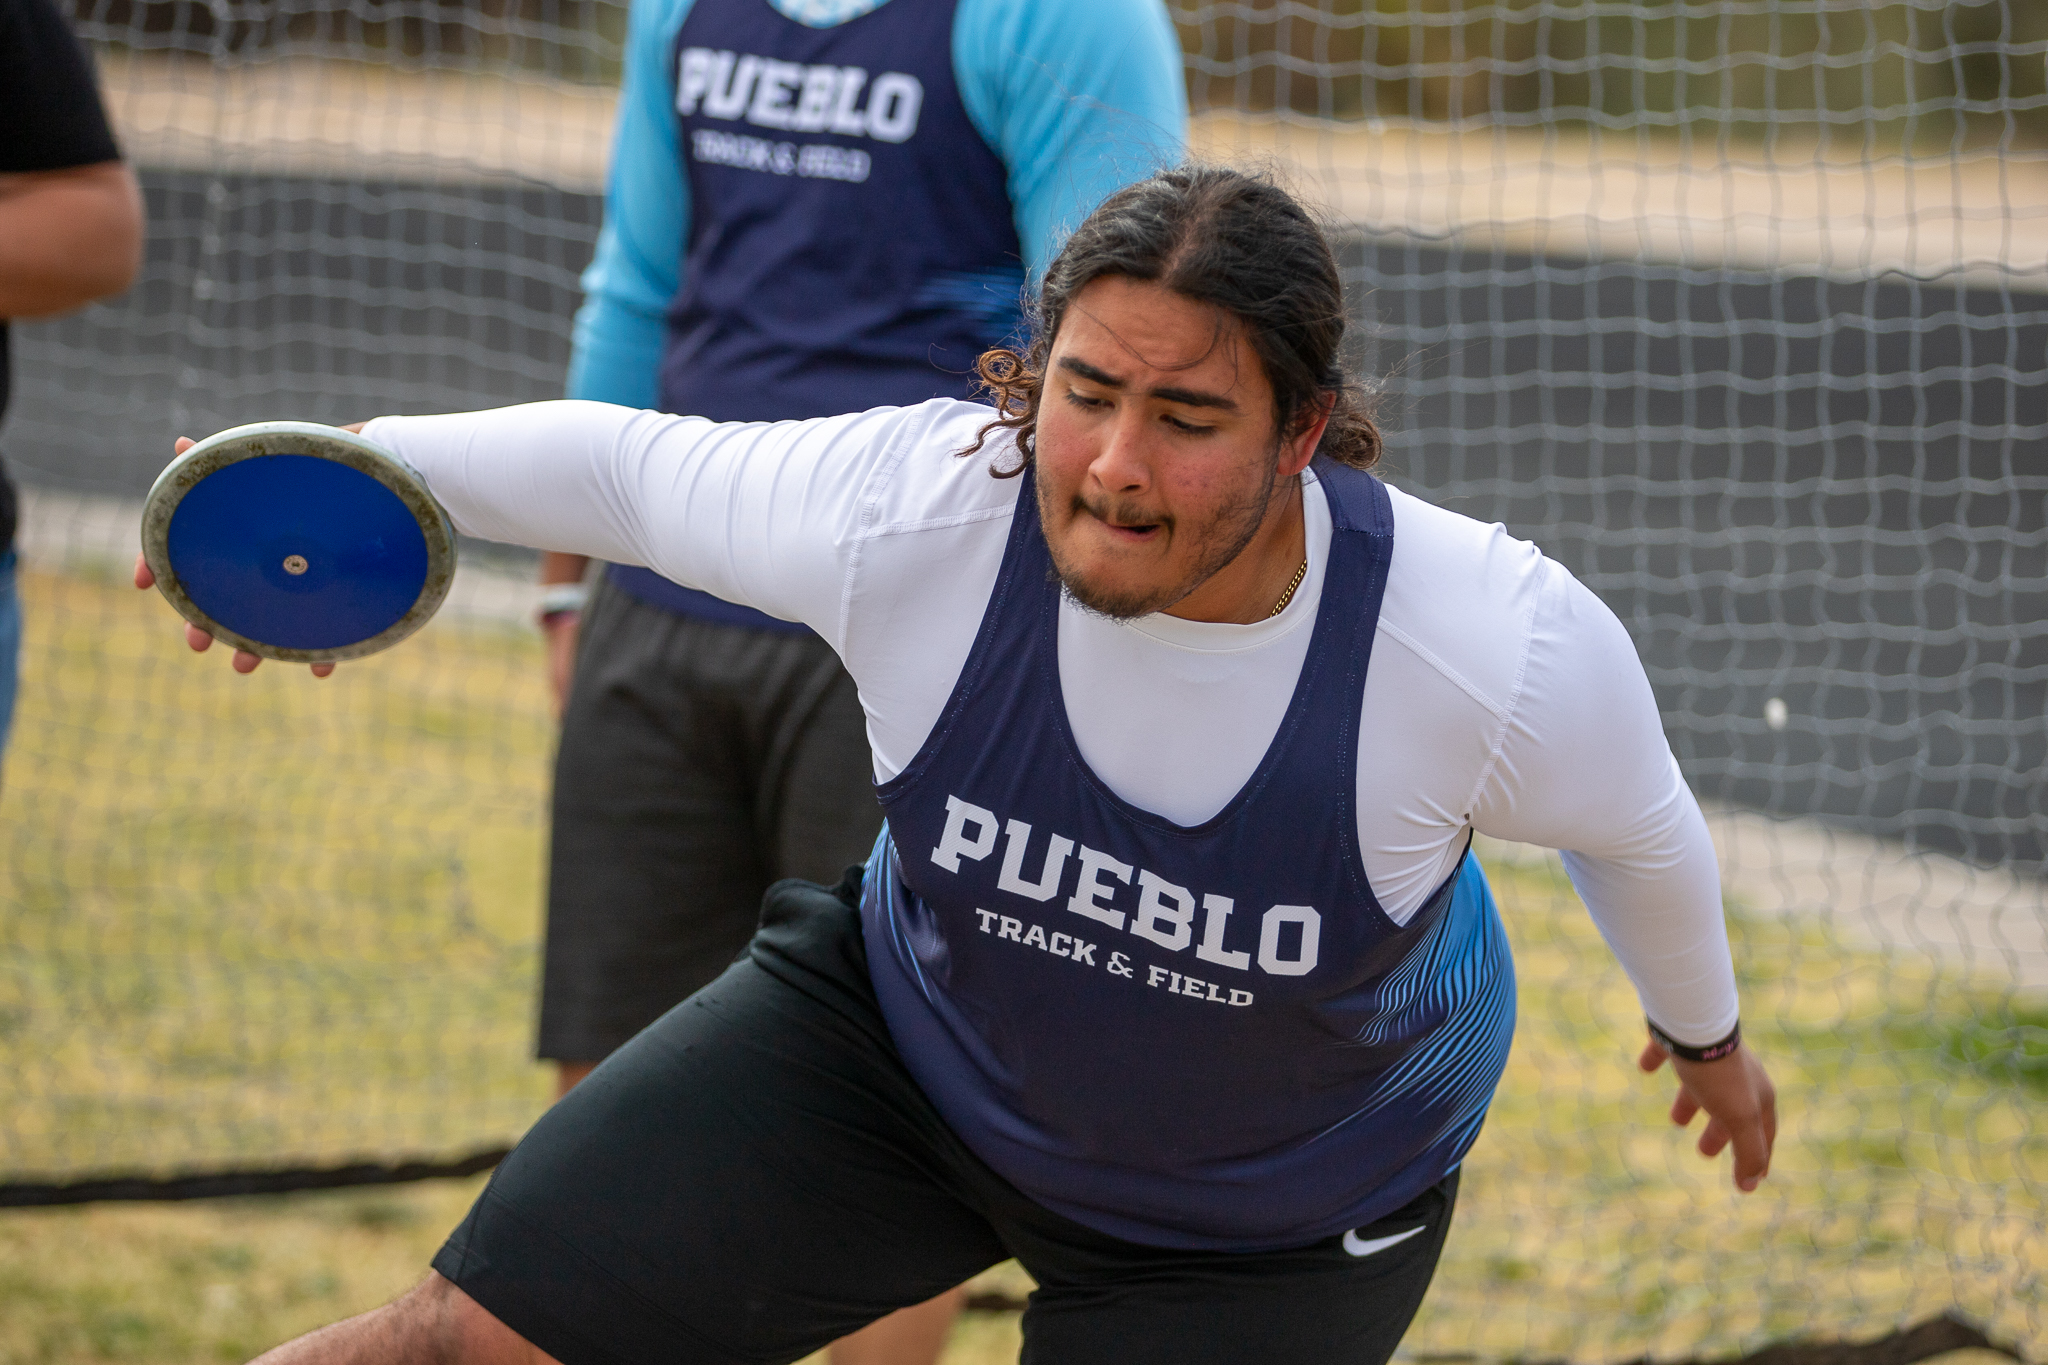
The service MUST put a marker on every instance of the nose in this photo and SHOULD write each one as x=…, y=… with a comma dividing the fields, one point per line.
x=1123, y=463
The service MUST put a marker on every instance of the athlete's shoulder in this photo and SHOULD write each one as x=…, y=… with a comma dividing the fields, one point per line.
x=1465, y=595
x=1480, y=555
x=926, y=480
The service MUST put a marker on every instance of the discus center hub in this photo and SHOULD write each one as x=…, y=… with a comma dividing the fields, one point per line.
x=295, y=565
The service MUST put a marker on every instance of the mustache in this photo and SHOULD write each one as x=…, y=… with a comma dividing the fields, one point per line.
x=1120, y=511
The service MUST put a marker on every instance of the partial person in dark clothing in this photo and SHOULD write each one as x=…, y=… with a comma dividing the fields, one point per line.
x=70, y=224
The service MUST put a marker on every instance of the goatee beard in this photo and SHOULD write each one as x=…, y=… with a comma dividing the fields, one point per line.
x=1222, y=541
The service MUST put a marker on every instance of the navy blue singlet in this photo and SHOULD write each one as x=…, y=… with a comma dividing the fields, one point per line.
x=852, y=242
x=1201, y=1037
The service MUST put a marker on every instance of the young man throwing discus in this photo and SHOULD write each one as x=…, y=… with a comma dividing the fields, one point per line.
x=1171, y=974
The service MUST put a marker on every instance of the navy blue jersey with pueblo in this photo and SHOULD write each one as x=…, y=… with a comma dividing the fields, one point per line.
x=1203, y=1037
x=851, y=242
x=851, y=239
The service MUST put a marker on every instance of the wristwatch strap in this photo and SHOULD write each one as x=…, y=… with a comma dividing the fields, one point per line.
x=1686, y=1052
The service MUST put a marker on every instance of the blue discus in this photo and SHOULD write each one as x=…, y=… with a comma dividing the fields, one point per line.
x=297, y=541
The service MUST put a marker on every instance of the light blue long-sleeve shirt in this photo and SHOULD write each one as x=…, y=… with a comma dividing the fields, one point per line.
x=1077, y=97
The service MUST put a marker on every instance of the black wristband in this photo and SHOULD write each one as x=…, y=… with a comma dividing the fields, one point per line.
x=1685, y=1052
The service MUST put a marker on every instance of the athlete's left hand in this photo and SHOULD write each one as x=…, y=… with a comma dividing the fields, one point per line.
x=195, y=638
x=1740, y=1104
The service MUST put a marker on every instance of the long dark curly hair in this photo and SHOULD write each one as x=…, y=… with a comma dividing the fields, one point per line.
x=1220, y=236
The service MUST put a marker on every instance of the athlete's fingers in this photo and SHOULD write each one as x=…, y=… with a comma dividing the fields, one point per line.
x=1752, y=1155
x=1653, y=1056
x=1684, y=1106
x=245, y=662
x=1714, y=1137
x=1753, y=1160
x=1741, y=1107
x=145, y=577
x=199, y=640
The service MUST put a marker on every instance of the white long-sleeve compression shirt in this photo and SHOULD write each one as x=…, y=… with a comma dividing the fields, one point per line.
x=1502, y=697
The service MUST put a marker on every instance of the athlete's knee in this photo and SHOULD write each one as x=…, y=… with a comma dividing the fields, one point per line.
x=444, y=1326
x=435, y=1324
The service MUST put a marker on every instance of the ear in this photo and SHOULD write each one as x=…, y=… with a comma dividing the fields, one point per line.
x=1297, y=450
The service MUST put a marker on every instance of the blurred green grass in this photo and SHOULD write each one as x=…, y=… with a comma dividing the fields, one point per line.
x=270, y=920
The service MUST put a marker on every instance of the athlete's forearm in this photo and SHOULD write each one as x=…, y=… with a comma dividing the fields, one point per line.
x=543, y=474
x=1585, y=768
x=756, y=513
x=1659, y=908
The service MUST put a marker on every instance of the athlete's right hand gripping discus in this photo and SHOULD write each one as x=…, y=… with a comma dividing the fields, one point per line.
x=298, y=542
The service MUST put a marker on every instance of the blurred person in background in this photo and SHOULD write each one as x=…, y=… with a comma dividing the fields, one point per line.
x=815, y=207
x=70, y=224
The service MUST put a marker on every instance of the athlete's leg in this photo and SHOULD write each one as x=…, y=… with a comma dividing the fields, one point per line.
x=907, y=1336
x=436, y=1324
x=1344, y=1301
x=750, y=1178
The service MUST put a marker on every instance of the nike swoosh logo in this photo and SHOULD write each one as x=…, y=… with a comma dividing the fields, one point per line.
x=1359, y=1246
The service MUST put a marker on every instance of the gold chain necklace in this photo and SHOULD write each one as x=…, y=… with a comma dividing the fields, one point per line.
x=1288, y=596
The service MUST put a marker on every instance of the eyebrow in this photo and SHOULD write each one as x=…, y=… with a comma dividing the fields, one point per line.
x=1190, y=398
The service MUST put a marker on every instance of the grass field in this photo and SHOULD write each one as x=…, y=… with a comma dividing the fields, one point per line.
x=273, y=920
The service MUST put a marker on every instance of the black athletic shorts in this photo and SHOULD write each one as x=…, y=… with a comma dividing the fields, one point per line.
x=756, y=1175
x=700, y=763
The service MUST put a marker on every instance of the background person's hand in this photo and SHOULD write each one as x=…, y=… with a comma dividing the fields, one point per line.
x=1739, y=1101
x=560, y=633
x=561, y=626
x=199, y=640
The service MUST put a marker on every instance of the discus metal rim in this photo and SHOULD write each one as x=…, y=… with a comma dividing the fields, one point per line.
x=258, y=439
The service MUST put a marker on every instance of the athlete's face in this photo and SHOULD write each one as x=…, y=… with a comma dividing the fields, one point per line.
x=1162, y=483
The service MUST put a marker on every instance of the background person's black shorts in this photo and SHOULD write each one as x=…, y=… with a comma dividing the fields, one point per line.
x=756, y=1175
x=699, y=763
